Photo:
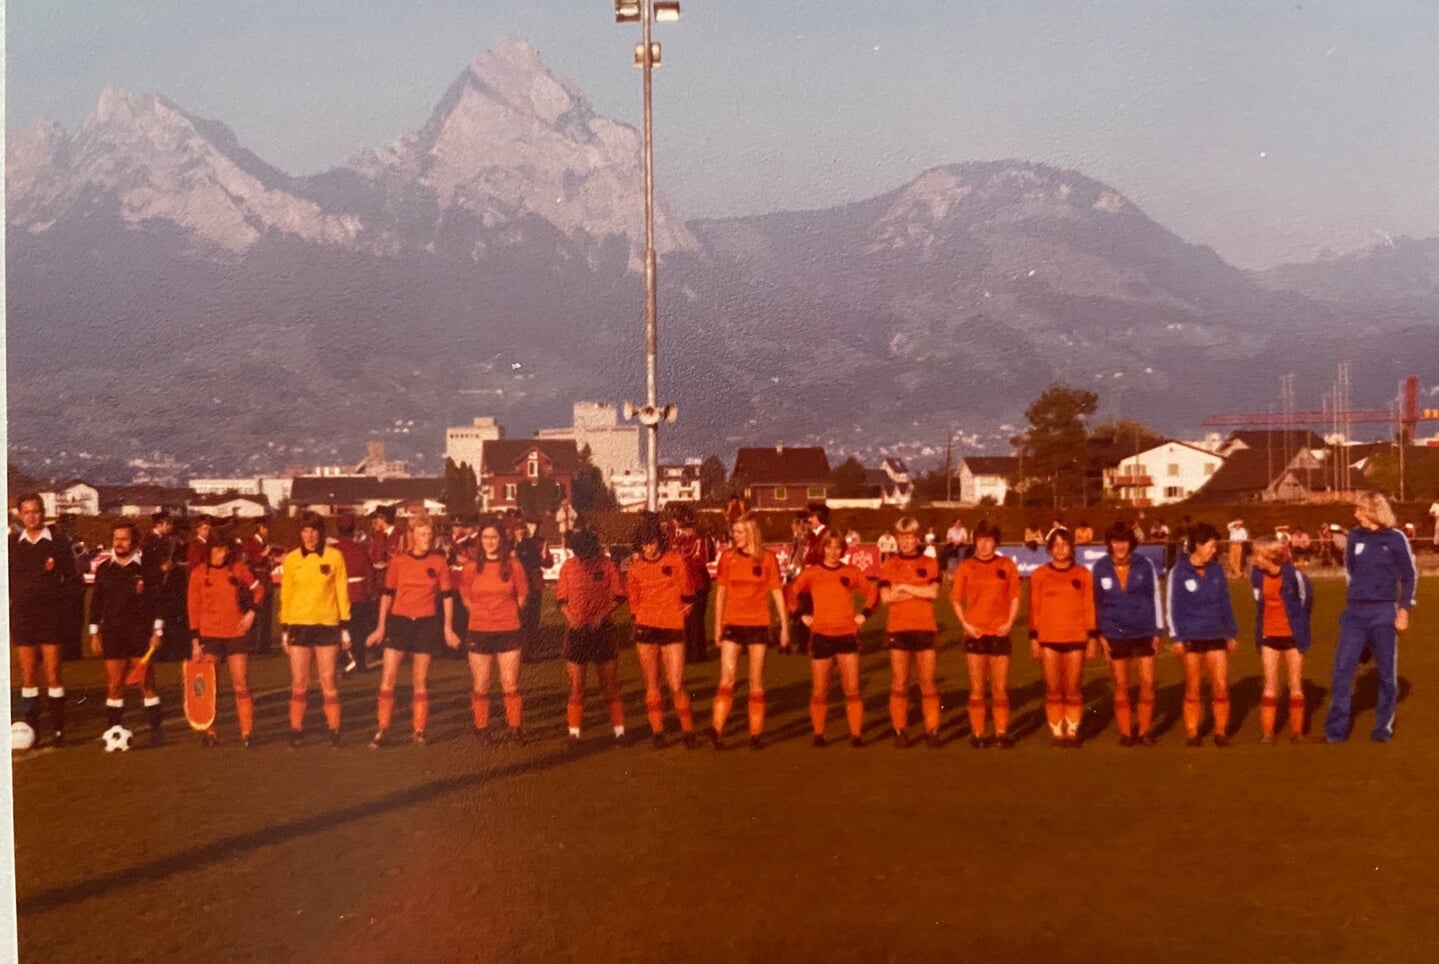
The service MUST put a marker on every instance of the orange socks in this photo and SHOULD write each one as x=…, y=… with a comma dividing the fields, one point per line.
x=818, y=710
x=420, y=709
x=756, y=712
x=574, y=714
x=1001, y=715
x=724, y=698
x=1073, y=714
x=297, y=709
x=682, y=709
x=1268, y=710
x=929, y=703
x=976, y=716
x=386, y=710
x=1296, y=715
x=854, y=714
x=655, y=710
x=332, y=712
x=1191, y=715
x=617, y=714
x=1146, y=715
x=898, y=709
x=480, y=707
x=1220, y=708
x=245, y=710
x=514, y=709
x=1122, y=717
x=1054, y=713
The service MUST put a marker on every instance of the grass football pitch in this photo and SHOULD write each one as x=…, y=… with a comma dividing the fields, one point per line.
x=458, y=851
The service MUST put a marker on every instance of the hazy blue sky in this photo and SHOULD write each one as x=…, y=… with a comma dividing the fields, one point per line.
x=1269, y=129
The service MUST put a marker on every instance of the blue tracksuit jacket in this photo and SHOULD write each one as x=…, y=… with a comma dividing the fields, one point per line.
x=1197, y=606
x=1131, y=611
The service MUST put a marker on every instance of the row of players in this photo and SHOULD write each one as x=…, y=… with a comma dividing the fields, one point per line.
x=1073, y=614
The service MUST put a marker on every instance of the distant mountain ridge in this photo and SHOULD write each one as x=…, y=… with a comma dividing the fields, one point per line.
x=171, y=291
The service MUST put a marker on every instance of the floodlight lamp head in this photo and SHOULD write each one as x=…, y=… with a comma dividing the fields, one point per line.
x=627, y=11
x=667, y=11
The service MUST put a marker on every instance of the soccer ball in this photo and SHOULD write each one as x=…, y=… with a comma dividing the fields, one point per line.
x=22, y=737
x=116, y=738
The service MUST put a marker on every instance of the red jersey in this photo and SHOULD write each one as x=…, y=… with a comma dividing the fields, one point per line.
x=214, y=599
x=910, y=615
x=833, y=592
x=1061, y=604
x=588, y=591
x=197, y=553
x=493, y=601
x=1276, y=620
x=357, y=569
x=749, y=582
x=986, y=590
x=415, y=583
x=659, y=590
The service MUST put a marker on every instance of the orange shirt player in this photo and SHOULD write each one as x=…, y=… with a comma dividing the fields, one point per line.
x=660, y=592
x=747, y=584
x=1063, y=632
x=494, y=588
x=985, y=596
x=909, y=585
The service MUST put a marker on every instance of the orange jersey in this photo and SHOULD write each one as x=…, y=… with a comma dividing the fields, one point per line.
x=214, y=599
x=493, y=602
x=749, y=582
x=659, y=590
x=588, y=592
x=986, y=591
x=1061, y=604
x=416, y=583
x=833, y=592
x=910, y=615
x=1276, y=620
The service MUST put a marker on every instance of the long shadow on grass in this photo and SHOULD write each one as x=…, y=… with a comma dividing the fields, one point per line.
x=236, y=845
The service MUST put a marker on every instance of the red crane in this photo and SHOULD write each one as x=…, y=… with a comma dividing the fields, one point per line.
x=1409, y=415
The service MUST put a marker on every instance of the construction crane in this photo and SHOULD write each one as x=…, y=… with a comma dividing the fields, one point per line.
x=1339, y=415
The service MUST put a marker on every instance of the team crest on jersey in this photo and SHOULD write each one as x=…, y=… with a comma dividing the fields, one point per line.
x=922, y=572
x=430, y=571
x=758, y=571
x=325, y=569
x=139, y=586
x=49, y=563
x=1106, y=582
x=844, y=581
x=1191, y=584
x=1359, y=549
x=1076, y=584
x=667, y=570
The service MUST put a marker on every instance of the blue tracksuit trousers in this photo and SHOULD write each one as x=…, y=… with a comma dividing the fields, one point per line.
x=1364, y=625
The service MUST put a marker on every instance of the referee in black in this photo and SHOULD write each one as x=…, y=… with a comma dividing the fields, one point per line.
x=43, y=576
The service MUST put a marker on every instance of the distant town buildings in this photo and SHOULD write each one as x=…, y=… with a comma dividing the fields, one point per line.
x=1167, y=473
x=614, y=448
x=465, y=444
x=782, y=478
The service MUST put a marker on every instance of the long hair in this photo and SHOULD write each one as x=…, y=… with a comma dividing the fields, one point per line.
x=1378, y=506
x=506, y=550
x=750, y=524
x=648, y=530
x=1121, y=531
x=585, y=544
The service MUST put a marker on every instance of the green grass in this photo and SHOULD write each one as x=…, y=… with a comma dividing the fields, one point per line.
x=457, y=852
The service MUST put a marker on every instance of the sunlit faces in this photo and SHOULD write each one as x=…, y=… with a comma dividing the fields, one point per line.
x=310, y=538
x=650, y=550
x=1119, y=551
x=32, y=514
x=739, y=535
x=908, y=542
x=490, y=541
x=833, y=551
x=1204, y=552
x=984, y=547
x=122, y=542
x=1061, y=551
x=422, y=539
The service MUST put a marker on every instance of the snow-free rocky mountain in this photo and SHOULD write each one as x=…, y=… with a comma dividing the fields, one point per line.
x=170, y=291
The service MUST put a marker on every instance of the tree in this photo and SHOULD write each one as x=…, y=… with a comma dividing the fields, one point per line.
x=1125, y=434
x=931, y=486
x=462, y=492
x=589, y=491
x=713, y=477
x=849, y=479
x=1054, y=451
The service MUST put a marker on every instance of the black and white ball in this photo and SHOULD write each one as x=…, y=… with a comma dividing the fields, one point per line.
x=116, y=738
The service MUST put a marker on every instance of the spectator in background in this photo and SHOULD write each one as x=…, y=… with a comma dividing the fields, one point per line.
x=851, y=539
x=1033, y=537
x=256, y=557
x=1084, y=534
x=197, y=551
x=1301, y=547
x=533, y=554
x=364, y=601
x=696, y=550
x=166, y=572
x=1434, y=514
x=1238, y=537
x=1326, y=544
x=886, y=545
x=955, y=540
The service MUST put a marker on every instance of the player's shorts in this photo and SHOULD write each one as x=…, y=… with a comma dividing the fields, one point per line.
x=654, y=636
x=827, y=647
x=493, y=644
x=1280, y=643
x=312, y=636
x=36, y=627
x=745, y=635
x=124, y=643
x=1138, y=648
x=422, y=637
x=1064, y=647
x=912, y=641
x=222, y=648
x=988, y=645
x=1203, y=645
x=595, y=645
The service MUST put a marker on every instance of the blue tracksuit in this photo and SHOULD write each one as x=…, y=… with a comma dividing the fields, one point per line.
x=1382, y=578
x=1130, y=611
x=1298, y=598
x=1198, y=606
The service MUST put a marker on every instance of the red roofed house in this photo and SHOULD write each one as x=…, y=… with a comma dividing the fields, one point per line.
x=512, y=462
x=782, y=478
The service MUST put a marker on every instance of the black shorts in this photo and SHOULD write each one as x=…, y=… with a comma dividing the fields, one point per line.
x=595, y=645
x=1139, y=647
x=1064, y=647
x=124, y=643
x=913, y=641
x=988, y=645
x=654, y=636
x=827, y=647
x=1280, y=643
x=35, y=628
x=311, y=636
x=423, y=637
x=745, y=635
x=221, y=648
x=492, y=644
x=1203, y=645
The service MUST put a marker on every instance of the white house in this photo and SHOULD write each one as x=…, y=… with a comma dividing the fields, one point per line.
x=72, y=497
x=982, y=476
x=229, y=506
x=1167, y=473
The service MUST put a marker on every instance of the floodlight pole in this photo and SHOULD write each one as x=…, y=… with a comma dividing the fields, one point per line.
x=652, y=453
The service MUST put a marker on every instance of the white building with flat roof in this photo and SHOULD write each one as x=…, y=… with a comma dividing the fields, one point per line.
x=465, y=444
x=614, y=448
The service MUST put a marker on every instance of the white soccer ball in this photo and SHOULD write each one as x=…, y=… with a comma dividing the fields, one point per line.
x=116, y=738
x=22, y=737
